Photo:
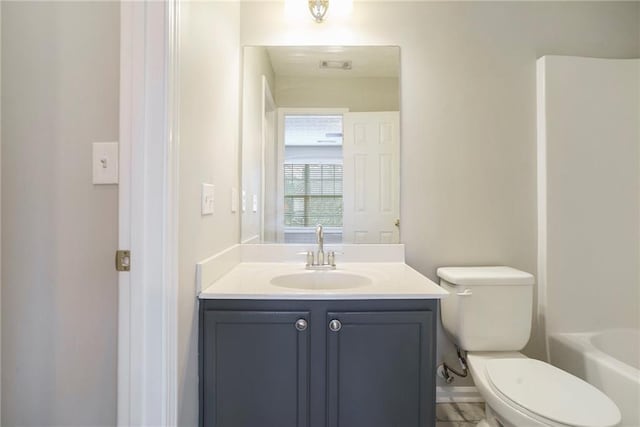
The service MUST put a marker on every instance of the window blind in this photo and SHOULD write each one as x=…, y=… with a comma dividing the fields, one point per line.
x=312, y=195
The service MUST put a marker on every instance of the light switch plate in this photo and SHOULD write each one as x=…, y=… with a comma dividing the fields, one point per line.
x=234, y=200
x=105, y=162
x=208, y=199
x=255, y=203
x=244, y=201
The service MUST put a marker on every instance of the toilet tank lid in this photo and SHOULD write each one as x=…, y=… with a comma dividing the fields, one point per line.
x=497, y=275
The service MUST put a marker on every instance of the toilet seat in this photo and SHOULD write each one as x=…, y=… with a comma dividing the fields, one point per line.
x=550, y=394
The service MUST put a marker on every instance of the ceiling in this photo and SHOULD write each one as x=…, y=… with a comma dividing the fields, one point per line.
x=304, y=61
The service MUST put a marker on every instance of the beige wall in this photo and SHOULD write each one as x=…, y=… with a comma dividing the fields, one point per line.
x=468, y=111
x=356, y=94
x=60, y=83
x=256, y=64
x=209, y=137
x=0, y=212
x=591, y=248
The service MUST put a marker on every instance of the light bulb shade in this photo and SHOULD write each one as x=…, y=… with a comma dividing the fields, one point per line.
x=318, y=9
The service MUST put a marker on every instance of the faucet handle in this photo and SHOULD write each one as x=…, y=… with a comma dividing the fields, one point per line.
x=309, y=255
x=331, y=258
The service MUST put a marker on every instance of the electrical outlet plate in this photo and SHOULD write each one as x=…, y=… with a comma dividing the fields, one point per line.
x=244, y=201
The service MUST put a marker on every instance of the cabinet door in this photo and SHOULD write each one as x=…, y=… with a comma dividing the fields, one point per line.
x=380, y=369
x=255, y=369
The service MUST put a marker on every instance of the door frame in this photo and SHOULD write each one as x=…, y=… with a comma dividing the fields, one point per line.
x=148, y=214
x=269, y=113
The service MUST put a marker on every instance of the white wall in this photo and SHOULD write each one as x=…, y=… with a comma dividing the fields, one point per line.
x=256, y=64
x=468, y=111
x=209, y=137
x=60, y=85
x=0, y=211
x=357, y=94
x=590, y=198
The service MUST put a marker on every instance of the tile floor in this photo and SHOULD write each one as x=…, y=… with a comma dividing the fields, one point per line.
x=459, y=414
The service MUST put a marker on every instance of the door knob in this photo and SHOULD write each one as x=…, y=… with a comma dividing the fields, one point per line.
x=335, y=325
x=301, y=324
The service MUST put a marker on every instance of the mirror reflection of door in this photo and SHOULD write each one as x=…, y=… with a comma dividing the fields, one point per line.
x=329, y=144
x=371, y=177
x=339, y=169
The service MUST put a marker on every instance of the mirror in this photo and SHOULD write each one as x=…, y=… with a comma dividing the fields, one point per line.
x=320, y=144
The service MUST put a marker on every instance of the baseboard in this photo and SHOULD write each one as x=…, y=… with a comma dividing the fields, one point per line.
x=468, y=394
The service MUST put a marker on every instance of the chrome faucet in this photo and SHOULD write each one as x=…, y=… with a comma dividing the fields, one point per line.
x=317, y=262
x=320, y=242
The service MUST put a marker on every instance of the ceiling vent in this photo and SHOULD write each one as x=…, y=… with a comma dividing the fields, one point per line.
x=335, y=65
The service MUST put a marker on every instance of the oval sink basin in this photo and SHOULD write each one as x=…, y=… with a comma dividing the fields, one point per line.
x=320, y=280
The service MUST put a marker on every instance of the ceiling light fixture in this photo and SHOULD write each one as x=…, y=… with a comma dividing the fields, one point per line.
x=318, y=9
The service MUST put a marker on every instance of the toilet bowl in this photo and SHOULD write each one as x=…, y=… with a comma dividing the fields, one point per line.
x=523, y=392
x=488, y=314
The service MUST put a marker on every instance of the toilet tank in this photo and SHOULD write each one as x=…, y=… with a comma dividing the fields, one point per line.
x=488, y=308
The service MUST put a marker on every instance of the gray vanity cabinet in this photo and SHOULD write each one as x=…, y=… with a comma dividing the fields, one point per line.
x=256, y=368
x=379, y=369
x=361, y=363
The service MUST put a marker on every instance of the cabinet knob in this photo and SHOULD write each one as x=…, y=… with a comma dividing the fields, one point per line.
x=335, y=325
x=301, y=324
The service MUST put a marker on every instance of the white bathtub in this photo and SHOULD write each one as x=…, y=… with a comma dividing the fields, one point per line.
x=609, y=360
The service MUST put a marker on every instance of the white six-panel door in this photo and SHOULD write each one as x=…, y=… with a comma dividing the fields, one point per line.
x=371, y=193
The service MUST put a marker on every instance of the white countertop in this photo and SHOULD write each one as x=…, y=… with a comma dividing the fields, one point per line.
x=388, y=280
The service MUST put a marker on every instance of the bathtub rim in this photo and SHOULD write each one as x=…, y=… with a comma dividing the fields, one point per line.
x=581, y=342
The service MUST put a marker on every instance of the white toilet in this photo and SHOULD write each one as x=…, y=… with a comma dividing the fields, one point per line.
x=488, y=314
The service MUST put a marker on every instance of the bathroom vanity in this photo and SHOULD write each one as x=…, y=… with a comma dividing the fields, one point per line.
x=281, y=346
x=352, y=347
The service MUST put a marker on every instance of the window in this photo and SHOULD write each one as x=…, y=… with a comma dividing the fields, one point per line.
x=312, y=177
x=312, y=195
